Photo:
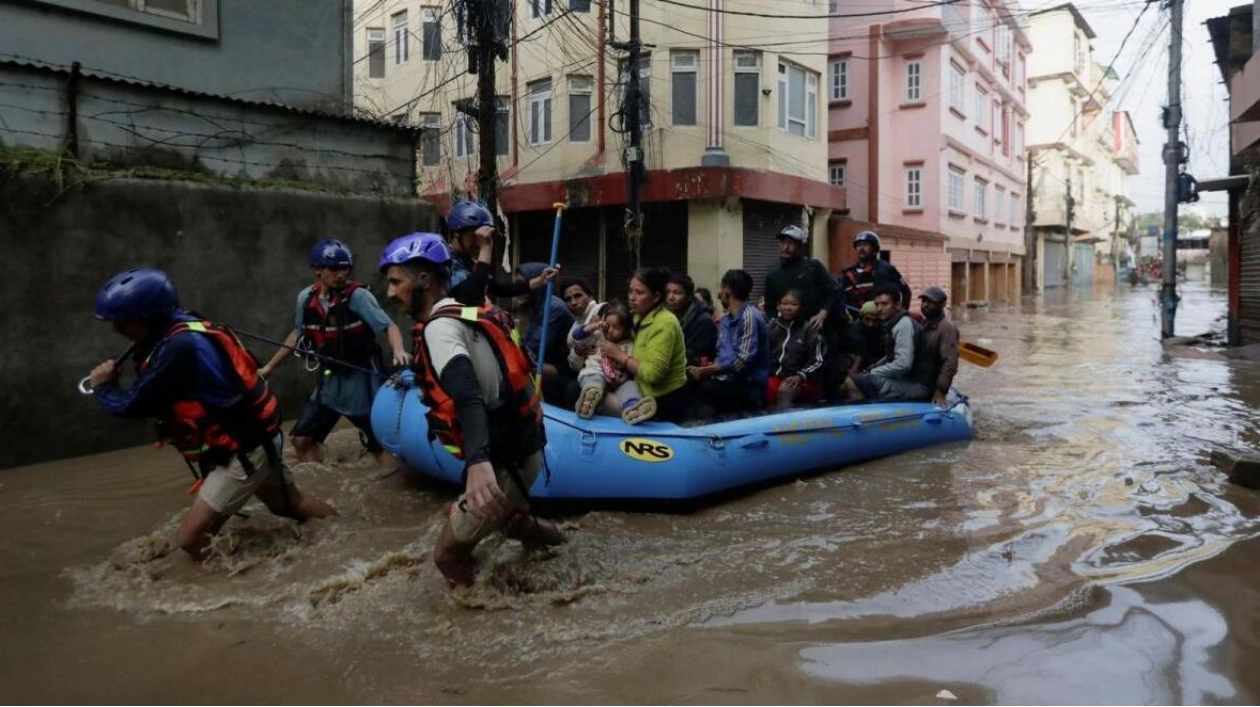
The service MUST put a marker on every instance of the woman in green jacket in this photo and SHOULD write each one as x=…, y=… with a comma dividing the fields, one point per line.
x=659, y=361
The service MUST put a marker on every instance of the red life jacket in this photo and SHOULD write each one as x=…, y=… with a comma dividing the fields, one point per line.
x=336, y=331
x=210, y=437
x=520, y=397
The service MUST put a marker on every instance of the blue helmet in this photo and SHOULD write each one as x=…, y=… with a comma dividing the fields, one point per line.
x=416, y=246
x=468, y=214
x=331, y=254
x=866, y=237
x=139, y=293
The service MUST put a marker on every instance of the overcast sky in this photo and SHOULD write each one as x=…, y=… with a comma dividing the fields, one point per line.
x=1143, y=89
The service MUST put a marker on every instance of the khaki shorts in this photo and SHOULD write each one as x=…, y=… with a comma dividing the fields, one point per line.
x=227, y=488
x=468, y=529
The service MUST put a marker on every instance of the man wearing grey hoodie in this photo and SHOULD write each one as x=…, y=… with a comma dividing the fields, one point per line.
x=905, y=371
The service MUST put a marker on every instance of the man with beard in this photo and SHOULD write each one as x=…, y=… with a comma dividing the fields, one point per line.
x=483, y=406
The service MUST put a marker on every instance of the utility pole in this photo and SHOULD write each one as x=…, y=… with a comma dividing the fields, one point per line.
x=484, y=29
x=1071, y=241
x=632, y=111
x=1173, y=157
x=1030, y=236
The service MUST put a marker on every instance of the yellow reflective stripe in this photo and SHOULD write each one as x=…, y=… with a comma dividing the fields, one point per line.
x=516, y=337
x=451, y=448
x=469, y=313
x=196, y=326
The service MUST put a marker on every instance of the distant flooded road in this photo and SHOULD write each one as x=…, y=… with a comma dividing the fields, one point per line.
x=1079, y=550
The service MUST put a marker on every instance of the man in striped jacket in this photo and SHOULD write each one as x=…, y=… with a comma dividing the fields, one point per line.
x=737, y=380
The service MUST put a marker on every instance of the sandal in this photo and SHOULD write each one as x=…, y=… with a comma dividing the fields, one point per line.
x=588, y=401
x=638, y=410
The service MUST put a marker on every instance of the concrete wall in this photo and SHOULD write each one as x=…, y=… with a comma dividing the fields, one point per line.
x=296, y=53
x=237, y=255
x=129, y=124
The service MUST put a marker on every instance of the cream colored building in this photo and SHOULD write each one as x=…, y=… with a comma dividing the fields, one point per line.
x=1080, y=145
x=735, y=146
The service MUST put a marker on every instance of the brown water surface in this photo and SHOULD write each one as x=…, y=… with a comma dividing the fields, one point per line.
x=1080, y=550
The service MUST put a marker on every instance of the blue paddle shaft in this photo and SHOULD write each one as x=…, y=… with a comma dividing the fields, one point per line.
x=546, y=312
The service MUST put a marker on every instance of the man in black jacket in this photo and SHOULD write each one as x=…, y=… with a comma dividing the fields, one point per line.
x=798, y=271
x=859, y=281
x=699, y=331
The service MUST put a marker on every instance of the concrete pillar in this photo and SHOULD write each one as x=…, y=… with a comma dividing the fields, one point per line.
x=967, y=280
x=715, y=239
x=819, y=242
x=988, y=285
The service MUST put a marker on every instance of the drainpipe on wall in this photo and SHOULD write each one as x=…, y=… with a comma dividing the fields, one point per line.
x=872, y=139
x=714, y=154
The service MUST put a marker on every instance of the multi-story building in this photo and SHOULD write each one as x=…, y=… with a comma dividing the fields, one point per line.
x=1236, y=43
x=733, y=132
x=1081, y=153
x=926, y=123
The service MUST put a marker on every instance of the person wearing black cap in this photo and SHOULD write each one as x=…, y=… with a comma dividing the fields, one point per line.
x=940, y=341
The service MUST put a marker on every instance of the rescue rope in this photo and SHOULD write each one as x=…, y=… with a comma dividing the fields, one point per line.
x=304, y=352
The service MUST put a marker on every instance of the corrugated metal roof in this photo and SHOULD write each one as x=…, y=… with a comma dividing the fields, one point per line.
x=108, y=77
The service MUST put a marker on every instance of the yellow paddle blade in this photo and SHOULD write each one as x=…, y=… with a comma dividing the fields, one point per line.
x=976, y=354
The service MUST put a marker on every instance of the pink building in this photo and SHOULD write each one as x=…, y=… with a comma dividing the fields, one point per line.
x=927, y=113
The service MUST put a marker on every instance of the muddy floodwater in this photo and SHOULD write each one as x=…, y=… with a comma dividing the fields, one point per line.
x=1079, y=550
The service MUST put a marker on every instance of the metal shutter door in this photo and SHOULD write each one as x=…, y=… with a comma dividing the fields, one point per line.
x=762, y=223
x=1249, y=287
x=1056, y=261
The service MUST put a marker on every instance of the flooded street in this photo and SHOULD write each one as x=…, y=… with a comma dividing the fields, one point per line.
x=1080, y=550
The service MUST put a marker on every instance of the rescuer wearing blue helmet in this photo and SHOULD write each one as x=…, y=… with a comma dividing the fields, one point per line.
x=211, y=404
x=483, y=406
x=338, y=318
x=471, y=229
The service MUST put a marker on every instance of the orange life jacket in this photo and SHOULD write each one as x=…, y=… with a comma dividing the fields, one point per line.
x=209, y=437
x=335, y=331
x=520, y=398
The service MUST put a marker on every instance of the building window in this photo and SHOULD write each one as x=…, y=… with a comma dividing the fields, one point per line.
x=579, y=5
x=462, y=139
x=836, y=170
x=376, y=52
x=914, y=187
x=540, y=112
x=999, y=198
x=539, y=8
x=914, y=81
x=982, y=193
x=430, y=139
x=1006, y=130
x=461, y=23
x=580, y=89
x=683, y=98
x=956, y=196
x=1078, y=54
x=957, y=87
x=1015, y=219
x=645, y=87
x=747, y=88
x=430, y=34
x=838, y=79
x=984, y=112
x=502, y=123
x=1003, y=49
x=798, y=101
x=199, y=18
x=402, y=48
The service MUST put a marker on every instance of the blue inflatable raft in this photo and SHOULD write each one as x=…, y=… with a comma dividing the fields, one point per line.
x=602, y=462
